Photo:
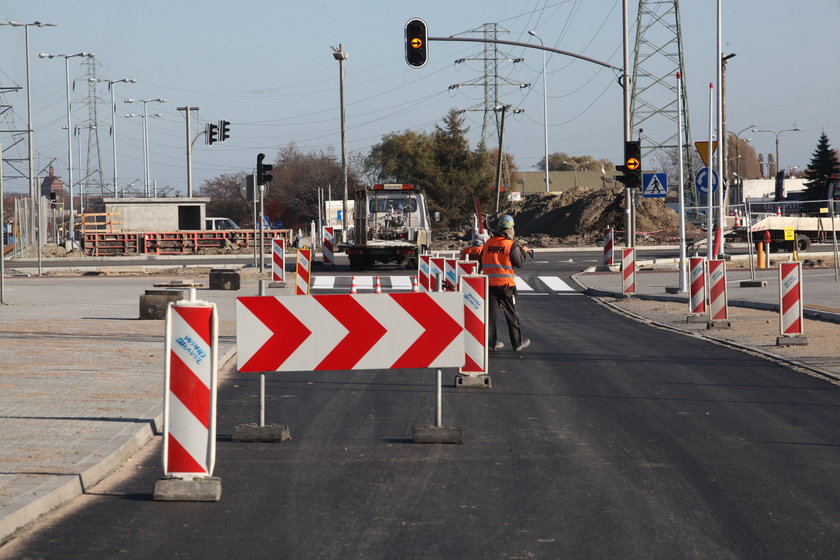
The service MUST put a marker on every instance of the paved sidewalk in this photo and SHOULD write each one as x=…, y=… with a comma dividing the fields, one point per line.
x=81, y=383
x=820, y=291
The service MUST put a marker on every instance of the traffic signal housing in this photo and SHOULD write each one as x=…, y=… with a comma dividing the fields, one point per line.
x=262, y=170
x=632, y=167
x=224, y=130
x=211, y=133
x=416, y=41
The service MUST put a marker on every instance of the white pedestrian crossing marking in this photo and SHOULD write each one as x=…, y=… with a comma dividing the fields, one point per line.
x=531, y=285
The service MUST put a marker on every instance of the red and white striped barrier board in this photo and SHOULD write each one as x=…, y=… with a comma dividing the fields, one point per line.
x=327, y=242
x=718, y=302
x=344, y=331
x=303, y=271
x=474, y=289
x=278, y=259
x=609, y=235
x=790, y=297
x=424, y=270
x=463, y=268
x=189, y=405
x=436, y=272
x=450, y=276
x=697, y=285
x=628, y=270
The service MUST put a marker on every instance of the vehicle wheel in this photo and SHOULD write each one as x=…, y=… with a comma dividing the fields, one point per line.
x=357, y=262
x=803, y=243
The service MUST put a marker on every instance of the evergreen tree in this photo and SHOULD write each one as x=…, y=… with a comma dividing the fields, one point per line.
x=823, y=166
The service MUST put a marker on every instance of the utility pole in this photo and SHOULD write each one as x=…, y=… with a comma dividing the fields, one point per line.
x=187, y=113
x=629, y=217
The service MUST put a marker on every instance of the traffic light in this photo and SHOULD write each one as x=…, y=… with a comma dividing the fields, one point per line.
x=224, y=130
x=262, y=169
x=210, y=133
x=416, y=51
x=632, y=167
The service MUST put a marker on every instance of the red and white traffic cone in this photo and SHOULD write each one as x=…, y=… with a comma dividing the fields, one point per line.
x=377, y=287
x=353, y=285
x=778, y=210
x=414, y=287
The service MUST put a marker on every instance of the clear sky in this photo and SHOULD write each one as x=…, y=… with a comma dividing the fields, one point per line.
x=267, y=67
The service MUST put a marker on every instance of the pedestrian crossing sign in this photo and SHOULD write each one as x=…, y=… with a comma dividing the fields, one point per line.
x=655, y=185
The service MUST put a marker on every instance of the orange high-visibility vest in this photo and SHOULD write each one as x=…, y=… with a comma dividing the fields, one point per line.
x=495, y=262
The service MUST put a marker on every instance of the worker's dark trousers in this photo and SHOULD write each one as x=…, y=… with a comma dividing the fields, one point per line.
x=504, y=298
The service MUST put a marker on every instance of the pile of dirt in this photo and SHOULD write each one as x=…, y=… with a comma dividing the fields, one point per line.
x=579, y=216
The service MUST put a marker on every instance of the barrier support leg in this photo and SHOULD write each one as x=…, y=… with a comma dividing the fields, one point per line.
x=438, y=433
x=261, y=431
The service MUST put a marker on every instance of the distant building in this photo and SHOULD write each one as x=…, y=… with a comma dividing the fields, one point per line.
x=531, y=182
x=51, y=185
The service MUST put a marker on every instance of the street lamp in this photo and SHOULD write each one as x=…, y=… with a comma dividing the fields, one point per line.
x=113, y=88
x=797, y=129
x=145, y=116
x=575, y=166
x=341, y=55
x=740, y=179
x=545, y=110
x=35, y=214
x=71, y=224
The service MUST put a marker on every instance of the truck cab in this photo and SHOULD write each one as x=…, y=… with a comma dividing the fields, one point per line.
x=391, y=225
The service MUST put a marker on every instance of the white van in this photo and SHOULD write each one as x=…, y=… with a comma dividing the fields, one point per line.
x=219, y=224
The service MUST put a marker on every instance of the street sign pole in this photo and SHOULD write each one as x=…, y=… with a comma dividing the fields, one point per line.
x=709, y=190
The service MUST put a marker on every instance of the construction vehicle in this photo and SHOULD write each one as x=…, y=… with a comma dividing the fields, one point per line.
x=390, y=225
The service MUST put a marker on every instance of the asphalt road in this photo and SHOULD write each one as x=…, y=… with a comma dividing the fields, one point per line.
x=605, y=439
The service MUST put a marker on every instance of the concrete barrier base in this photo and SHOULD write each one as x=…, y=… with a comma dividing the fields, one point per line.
x=719, y=325
x=154, y=303
x=276, y=284
x=753, y=284
x=795, y=340
x=438, y=434
x=696, y=319
x=188, y=489
x=255, y=432
x=224, y=279
x=482, y=380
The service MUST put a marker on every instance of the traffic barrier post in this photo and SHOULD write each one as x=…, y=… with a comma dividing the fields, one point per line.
x=791, y=319
x=697, y=289
x=718, y=298
x=609, y=236
x=450, y=277
x=327, y=250
x=628, y=271
x=303, y=271
x=436, y=272
x=424, y=271
x=474, y=373
x=189, y=406
x=278, y=260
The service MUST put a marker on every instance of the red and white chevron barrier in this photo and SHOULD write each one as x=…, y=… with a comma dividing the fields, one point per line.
x=790, y=298
x=474, y=289
x=628, y=270
x=697, y=285
x=303, y=271
x=327, y=242
x=718, y=302
x=344, y=331
x=609, y=236
x=424, y=270
x=189, y=406
x=278, y=259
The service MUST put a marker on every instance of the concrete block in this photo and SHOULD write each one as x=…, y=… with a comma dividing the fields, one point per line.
x=207, y=489
x=719, y=325
x=153, y=303
x=224, y=279
x=696, y=319
x=482, y=380
x=672, y=290
x=255, y=432
x=276, y=284
x=438, y=434
x=795, y=340
x=753, y=284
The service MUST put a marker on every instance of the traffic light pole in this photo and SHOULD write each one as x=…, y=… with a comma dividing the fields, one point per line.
x=629, y=202
x=187, y=113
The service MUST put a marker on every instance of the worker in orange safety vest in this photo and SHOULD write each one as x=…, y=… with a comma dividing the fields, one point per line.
x=500, y=255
